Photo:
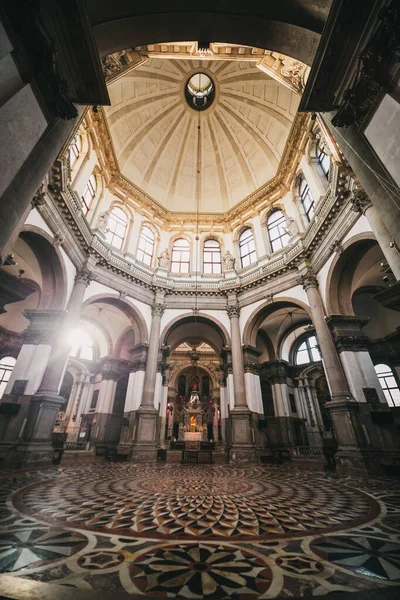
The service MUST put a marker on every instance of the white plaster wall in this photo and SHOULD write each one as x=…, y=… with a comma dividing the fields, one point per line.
x=360, y=373
x=221, y=316
x=253, y=393
x=145, y=311
x=297, y=293
x=95, y=288
x=31, y=364
x=169, y=315
x=134, y=391
x=246, y=312
x=158, y=391
x=360, y=226
x=35, y=219
x=230, y=391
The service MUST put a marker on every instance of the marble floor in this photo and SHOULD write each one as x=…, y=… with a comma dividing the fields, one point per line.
x=212, y=532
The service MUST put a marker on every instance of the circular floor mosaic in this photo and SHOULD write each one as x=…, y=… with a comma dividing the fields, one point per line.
x=248, y=503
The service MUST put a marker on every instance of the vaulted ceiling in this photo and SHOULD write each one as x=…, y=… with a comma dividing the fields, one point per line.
x=187, y=159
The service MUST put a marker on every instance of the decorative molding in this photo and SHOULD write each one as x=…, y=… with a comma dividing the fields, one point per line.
x=233, y=311
x=157, y=309
x=84, y=276
x=309, y=280
x=360, y=201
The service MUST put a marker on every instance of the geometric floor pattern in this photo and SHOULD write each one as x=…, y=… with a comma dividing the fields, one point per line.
x=223, y=531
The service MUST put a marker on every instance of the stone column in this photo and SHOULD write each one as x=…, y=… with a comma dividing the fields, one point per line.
x=363, y=205
x=243, y=448
x=76, y=406
x=145, y=445
x=54, y=372
x=35, y=446
x=354, y=453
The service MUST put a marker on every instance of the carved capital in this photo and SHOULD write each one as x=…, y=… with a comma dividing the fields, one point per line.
x=83, y=276
x=360, y=202
x=309, y=280
x=38, y=198
x=157, y=310
x=233, y=311
x=352, y=343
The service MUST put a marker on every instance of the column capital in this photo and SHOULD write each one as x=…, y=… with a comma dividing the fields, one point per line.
x=157, y=309
x=83, y=276
x=309, y=280
x=360, y=201
x=233, y=311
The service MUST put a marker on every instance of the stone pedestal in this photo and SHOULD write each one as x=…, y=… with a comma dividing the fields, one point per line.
x=145, y=447
x=35, y=448
x=242, y=449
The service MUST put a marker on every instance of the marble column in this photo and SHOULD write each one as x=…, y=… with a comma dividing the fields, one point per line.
x=76, y=406
x=354, y=452
x=35, y=445
x=145, y=444
x=363, y=205
x=243, y=448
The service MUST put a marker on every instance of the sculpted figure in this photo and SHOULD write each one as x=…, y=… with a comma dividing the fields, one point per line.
x=163, y=259
x=102, y=223
x=228, y=261
x=291, y=226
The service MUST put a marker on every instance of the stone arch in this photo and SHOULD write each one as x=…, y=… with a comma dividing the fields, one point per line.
x=208, y=320
x=292, y=27
x=138, y=323
x=53, y=291
x=263, y=311
x=179, y=371
x=339, y=277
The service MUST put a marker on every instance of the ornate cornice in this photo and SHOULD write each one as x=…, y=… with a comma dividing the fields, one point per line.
x=83, y=276
x=352, y=343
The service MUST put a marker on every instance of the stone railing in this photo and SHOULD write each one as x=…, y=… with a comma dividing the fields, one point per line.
x=307, y=451
x=267, y=266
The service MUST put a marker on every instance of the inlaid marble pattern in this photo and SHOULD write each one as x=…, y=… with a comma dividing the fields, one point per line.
x=201, y=531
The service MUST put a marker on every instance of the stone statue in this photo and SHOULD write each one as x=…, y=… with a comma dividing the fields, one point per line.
x=228, y=261
x=102, y=223
x=163, y=259
x=291, y=226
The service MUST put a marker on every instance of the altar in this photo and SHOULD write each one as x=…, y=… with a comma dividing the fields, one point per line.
x=193, y=436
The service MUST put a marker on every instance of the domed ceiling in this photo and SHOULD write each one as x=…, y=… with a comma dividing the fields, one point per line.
x=209, y=159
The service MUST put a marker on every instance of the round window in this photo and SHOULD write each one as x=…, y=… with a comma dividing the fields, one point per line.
x=199, y=91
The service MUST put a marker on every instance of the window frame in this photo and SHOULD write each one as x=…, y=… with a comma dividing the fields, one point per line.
x=89, y=192
x=5, y=373
x=184, y=249
x=304, y=194
x=146, y=242
x=244, y=243
x=271, y=226
x=322, y=155
x=390, y=374
x=74, y=150
x=305, y=340
x=214, y=252
x=111, y=234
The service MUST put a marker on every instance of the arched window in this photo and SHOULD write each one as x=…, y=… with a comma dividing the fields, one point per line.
x=277, y=234
x=116, y=228
x=89, y=194
x=82, y=344
x=74, y=150
x=306, y=198
x=180, y=256
x=247, y=249
x=145, y=249
x=212, y=257
x=308, y=351
x=323, y=158
x=388, y=384
x=6, y=367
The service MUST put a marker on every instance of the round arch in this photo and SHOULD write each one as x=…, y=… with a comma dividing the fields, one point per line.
x=205, y=319
x=52, y=266
x=292, y=27
x=188, y=365
x=263, y=311
x=138, y=323
x=340, y=276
